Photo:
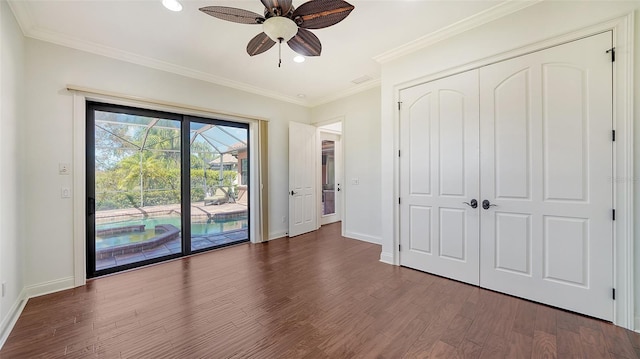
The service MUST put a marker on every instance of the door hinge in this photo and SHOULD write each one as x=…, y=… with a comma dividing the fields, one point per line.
x=614, y=214
x=613, y=54
x=613, y=293
x=399, y=246
x=398, y=200
x=398, y=153
x=399, y=104
x=613, y=135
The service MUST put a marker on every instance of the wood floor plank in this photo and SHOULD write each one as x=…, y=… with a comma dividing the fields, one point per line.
x=544, y=345
x=617, y=341
x=318, y=295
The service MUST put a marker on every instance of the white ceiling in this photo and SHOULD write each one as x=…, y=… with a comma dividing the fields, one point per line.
x=197, y=45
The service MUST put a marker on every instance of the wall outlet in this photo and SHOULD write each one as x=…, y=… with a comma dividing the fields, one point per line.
x=65, y=192
x=64, y=168
x=355, y=181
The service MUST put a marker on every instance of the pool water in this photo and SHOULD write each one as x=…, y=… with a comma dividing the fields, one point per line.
x=197, y=229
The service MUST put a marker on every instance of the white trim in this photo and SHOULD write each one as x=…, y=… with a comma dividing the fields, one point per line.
x=363, y=237
x=79, y=190
x=130, y=57
x=637, y=327
x=498, y=11
x=277, y=235
x=9, y=321
x=80, y=97
x=49, y=287
x=386, y=257
x=29, y=29
x=338, y=95
x=623, y=113
x=28, y=292
x=164, y=105
x=623, y=106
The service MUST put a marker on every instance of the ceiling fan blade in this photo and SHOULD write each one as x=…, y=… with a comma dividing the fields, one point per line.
x=259, y=44
x=305, y=43
x=233, y=14
x=284, y=6
x=317, y=14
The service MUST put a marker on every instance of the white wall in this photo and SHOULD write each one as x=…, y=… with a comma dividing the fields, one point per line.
x=534, y=24
x=48, y=141
x=11, y=105
x=361, y=146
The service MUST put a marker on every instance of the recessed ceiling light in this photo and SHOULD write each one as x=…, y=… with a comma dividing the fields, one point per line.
x=299, y=59
x=172, y=5
x=301, y=95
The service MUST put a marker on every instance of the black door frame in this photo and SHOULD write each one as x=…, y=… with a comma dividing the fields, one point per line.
x=185, y=175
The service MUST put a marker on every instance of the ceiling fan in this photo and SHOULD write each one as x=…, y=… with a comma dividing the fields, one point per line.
x=282, y=22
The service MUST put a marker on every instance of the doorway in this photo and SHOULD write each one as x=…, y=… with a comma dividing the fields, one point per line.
x=162, y=185
x=330, y=177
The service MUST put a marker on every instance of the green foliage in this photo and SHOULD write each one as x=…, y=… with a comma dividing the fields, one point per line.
x=120, y=188
x=127, y=177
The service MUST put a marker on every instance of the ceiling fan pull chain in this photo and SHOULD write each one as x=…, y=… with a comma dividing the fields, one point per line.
x=280, y=51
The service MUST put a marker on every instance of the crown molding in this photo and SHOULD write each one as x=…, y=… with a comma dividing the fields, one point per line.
x=498, y=11
x=29, y=29
x=22, y=15
x=348, y=92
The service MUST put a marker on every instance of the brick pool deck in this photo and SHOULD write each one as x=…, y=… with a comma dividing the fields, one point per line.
x=197, y=209
x=174, y=246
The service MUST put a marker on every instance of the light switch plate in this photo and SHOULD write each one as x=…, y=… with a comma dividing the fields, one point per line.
x=64, y=168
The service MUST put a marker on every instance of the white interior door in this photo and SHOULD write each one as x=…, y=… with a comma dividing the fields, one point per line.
x=546, y=163
x=302, y=178
x=330, y=178
x=439, y=172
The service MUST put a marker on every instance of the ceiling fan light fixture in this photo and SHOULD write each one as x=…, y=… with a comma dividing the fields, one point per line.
x=172, y=5
x=279, y=27
x=299, y=59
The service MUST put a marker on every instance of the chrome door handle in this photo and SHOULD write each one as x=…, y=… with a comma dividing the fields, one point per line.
x=473, y=204
x=486, y=204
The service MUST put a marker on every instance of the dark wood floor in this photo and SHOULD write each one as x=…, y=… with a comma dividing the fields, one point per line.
x=314, y=296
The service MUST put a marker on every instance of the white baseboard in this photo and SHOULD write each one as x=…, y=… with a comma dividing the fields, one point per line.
x=277, y=235
x=57, y=285
x=362, y=237
x=386, y=258
x=12, y=317
x=637, y=326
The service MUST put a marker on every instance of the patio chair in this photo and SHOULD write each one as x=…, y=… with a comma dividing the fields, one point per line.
x=220, y=196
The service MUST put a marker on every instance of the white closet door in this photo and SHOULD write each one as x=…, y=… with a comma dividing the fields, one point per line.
x=546, y=163
x=438, y=172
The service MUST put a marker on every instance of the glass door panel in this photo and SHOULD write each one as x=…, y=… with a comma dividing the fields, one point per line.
x=219, y=184
x=328, y=177
x=137, y=200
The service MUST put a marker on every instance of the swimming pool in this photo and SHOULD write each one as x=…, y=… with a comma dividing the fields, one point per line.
x=198, y=228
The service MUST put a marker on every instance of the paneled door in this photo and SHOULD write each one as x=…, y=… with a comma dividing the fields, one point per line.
x=546, y=165
x=439, y=177
x=302, y=178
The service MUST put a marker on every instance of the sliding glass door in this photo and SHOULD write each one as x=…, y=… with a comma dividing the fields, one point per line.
x=161, y=186
x=219, y=199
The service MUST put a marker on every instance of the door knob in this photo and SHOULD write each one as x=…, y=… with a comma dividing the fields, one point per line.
x=473, y=204
x=486, y=204
x=292, y=193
